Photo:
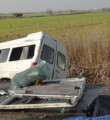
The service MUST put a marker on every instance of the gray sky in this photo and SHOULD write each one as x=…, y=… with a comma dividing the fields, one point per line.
x=10, y=6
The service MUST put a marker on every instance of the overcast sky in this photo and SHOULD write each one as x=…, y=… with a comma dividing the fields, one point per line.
x=10, y=6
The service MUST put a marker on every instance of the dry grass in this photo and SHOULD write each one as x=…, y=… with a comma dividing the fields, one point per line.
x=89, y=50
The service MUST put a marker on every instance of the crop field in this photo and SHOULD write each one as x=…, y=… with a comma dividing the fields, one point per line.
x=86, y=37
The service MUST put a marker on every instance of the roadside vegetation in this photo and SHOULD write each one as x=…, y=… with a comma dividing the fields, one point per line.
x=86, y=36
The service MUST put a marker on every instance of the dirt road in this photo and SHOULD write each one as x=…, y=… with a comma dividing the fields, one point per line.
x=33, y=115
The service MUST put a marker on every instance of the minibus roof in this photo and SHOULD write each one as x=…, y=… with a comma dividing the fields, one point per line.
x=30, y=38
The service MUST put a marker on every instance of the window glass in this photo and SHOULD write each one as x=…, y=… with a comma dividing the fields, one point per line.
x=4, y=55
x=31, y=52
x=22, y=53
x=16, y=54
x=47, y=54
x=61, y=61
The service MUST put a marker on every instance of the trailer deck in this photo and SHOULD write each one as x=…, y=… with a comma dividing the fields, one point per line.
x=62, y=93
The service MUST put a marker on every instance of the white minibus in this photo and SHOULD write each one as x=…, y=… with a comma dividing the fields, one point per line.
x=20, y=54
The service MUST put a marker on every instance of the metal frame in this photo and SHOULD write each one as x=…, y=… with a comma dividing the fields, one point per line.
x=73, y=100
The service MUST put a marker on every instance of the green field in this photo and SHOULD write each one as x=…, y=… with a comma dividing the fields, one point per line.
x=86, y=37
x=5, y=15
x=56, y=26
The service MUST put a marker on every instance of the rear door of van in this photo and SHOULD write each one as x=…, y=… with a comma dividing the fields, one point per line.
x=61, y=62
x=48, y=53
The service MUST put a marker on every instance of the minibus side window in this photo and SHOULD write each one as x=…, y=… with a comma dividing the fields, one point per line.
x=47, y=54
x=27, y=52
x=31, y=51
x=22, y=53
x=4, y=55
x=61, y=61
x=16, y=54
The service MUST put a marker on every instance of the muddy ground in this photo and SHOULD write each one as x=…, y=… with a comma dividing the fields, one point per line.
x=32, y=114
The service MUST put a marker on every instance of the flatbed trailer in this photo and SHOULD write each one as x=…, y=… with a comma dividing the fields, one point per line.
x=61, y=93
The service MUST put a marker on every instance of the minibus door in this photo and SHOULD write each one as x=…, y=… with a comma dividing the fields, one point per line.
x=47, y=53
x=26, y=57
x=61, y=62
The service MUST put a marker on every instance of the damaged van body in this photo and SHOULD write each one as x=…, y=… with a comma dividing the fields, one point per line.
x=21, y=54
